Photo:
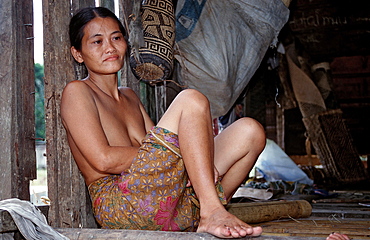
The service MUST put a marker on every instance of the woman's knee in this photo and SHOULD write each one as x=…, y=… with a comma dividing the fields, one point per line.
x=253, y=130
x=193, y=98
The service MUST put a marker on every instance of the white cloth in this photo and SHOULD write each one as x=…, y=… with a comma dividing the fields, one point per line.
x=31, y=223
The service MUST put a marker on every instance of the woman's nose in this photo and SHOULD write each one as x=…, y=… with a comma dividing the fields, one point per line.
x=110, y=47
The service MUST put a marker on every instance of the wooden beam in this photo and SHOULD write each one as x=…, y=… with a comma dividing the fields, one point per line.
x=355, y=229
x=7, y=223
x=104, y=234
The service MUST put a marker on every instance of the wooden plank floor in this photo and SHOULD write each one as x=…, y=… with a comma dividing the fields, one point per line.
x=349, y=216
x=352, y=219
x=317, y=227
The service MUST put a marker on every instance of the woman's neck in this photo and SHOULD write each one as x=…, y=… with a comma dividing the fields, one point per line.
x=107, y=84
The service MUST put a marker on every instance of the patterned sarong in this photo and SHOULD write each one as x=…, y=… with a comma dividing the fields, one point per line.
x=152, y=193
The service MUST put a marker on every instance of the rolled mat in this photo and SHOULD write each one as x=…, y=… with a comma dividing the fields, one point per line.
x=256, y=212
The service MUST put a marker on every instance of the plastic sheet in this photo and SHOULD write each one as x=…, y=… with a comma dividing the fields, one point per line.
x=220, y=45
x=274, y=165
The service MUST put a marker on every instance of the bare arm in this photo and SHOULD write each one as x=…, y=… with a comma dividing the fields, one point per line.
x=81, y=119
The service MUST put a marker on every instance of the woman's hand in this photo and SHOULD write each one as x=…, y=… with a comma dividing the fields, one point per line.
x=217, y=174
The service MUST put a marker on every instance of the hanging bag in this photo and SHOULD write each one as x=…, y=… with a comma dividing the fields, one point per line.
x=152, y=59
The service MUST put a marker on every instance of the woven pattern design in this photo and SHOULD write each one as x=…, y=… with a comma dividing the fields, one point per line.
x=156, y=57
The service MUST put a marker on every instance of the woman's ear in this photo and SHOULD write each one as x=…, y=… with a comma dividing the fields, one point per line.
x=77, y=55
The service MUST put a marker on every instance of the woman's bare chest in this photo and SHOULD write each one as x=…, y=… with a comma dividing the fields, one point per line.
x=123, y=124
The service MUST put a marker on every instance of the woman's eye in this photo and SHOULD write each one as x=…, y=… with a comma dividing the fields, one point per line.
x=117, y=38
x=97, y=42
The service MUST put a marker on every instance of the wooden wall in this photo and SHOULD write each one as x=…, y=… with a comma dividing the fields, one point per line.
x=17, y=135
x=331, y=28
x=335, y=32
x=351, y=82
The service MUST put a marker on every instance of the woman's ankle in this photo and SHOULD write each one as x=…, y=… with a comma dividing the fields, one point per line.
x=209, y=208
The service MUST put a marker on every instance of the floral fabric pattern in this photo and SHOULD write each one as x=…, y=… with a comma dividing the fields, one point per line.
x=152, y=193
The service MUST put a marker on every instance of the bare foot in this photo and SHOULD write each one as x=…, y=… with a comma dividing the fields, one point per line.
x=337, y=236
x=223, y=224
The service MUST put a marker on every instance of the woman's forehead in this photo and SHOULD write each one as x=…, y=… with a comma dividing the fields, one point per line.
x=101, y=26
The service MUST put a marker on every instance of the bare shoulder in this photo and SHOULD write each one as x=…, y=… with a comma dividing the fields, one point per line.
x=77, y=97
x=76, y=87
x=77, y=91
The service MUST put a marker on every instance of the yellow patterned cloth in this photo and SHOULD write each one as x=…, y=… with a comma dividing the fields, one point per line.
x=152, y=193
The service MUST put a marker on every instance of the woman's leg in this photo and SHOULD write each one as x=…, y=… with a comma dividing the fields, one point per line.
x=189, y=116
x=236, y=150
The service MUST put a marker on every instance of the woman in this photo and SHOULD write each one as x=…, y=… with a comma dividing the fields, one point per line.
x=337, y=236
x=137, y=176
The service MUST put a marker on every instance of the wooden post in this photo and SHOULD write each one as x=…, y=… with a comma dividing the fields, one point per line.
x=17, y=141
x=108, y=4
x=70, y=203
x=142, y=90
x=80, y=69
x=127, y=77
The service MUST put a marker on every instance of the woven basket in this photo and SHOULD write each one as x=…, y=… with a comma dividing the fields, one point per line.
x=334, y=146
x=156, y=57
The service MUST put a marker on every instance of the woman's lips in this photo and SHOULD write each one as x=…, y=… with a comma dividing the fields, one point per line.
x=112, y=58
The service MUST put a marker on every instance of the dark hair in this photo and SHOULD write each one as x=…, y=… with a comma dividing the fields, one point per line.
x=83, y=17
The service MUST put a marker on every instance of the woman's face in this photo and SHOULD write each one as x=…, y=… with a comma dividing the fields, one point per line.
x=103, y=46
